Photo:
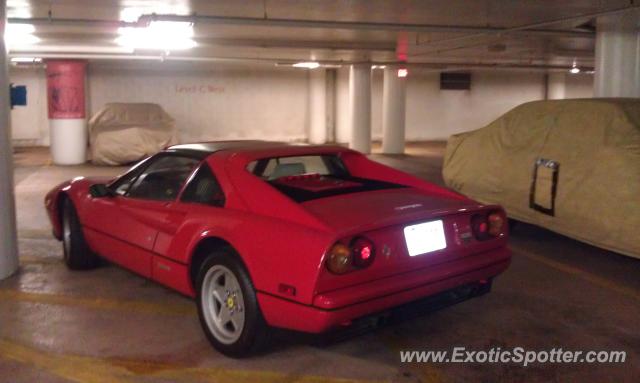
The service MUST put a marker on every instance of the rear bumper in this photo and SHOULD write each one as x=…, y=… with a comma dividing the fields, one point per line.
x=337, y=307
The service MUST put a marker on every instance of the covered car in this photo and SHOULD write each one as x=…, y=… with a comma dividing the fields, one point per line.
x=571, y=166
x=122, y=133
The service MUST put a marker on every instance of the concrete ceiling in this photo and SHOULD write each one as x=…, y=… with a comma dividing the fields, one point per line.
x=544, y=34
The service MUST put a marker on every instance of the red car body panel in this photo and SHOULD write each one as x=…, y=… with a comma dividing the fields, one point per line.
x=283, y=242
x=292, y=315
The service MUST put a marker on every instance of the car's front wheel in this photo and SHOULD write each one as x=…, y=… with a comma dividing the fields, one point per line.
x=228, y=306
x=77, y=254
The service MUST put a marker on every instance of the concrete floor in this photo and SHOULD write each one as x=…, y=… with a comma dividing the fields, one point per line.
x=108, y=325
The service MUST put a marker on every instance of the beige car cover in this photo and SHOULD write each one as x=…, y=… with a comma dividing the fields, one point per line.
x=572, y=166
x=122, y=133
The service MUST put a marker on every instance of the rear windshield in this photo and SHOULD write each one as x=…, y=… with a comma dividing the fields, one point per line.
x=304, y=178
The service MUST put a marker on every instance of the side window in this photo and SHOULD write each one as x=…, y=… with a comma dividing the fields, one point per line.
x=204, y=188
x=163, y=179
x=125, y=183
x=122, y=184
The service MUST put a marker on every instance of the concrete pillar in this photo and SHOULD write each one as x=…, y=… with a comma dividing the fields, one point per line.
x=360, y=107
x=66, y=102
x=618, y=55
x=8, y=236
x=394, y=94
x=556, y=86
x=318, y=106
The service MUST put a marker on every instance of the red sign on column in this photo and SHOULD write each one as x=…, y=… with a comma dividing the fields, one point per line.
x=65, y=89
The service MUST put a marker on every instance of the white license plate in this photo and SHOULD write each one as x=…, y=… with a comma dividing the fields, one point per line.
x=425, y=237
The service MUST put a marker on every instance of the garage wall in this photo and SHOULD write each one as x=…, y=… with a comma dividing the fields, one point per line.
x=579, y=86
x=231, y=102
x=226, y=103
x=436, y=114
x=30, y=126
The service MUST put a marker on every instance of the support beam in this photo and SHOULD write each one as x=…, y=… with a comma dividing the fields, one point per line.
x=618, y=55
x=556, y=86
x=360, y=107
x=318, y=106
x=66, y=102
x=394, y=95
x=8, y=235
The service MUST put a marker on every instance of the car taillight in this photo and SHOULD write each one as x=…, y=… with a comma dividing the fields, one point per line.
x=341, y=258
x=363, y=252
x=496, y=223
x=485, y=226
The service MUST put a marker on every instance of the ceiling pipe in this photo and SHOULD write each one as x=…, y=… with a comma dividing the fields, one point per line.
x=527, y=28
x=348, y=25
x=144, y=20
x=285, y=62
x=74, y=22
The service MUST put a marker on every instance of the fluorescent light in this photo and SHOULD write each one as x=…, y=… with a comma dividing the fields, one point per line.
x=159, y=35
x=574, y=68
x=75, y=49
x=378, y=66
x=19, y=35
x=307, y=65
x=30, y=60
x=18, y=8
x=20, y=29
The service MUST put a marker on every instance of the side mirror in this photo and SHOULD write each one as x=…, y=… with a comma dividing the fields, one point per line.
x=100, y=191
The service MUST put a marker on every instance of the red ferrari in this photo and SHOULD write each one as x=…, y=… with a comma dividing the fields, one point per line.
x=265, y=235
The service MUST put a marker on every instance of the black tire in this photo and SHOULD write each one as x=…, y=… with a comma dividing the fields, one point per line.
x=77, y=254
x=484, y=288
x=255, y=332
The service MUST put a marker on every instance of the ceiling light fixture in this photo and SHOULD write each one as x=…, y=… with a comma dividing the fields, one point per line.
x=159, y=35
x=403, y=72
x=19, y=8
x=378, y=66
x=306, y=65
x=26, y=60
x=19, y=35
x=574, y=69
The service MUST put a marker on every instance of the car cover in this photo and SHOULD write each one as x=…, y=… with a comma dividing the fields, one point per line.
x=572, y=166
x=121, y=133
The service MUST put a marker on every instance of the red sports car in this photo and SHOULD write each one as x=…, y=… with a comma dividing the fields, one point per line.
x=266, y=234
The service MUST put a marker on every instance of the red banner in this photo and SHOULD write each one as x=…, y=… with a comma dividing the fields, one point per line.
x=65, y=89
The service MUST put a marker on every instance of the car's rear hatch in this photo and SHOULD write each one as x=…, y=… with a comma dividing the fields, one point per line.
x=382, y=216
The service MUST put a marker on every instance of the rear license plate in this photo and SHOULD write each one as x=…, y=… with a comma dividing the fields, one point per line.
x=425, y=237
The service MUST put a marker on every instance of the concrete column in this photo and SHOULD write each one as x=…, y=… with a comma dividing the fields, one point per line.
x=8, y=236
x=618, y=55
x=556, y=86
x=360, y=107
x=394, y=94
x=318, y=106
x=66, y=102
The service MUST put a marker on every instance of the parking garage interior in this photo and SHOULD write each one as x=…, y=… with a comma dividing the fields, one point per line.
x=391, y=79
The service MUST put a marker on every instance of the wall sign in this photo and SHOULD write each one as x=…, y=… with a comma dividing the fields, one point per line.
x=199, y=89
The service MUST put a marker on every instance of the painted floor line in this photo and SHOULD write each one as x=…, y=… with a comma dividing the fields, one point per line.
x=87, y=369
x=98, y=303
x=26, y=259
x=585, y=275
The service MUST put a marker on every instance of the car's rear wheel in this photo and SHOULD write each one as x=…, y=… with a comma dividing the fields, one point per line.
x=228, y=307
x=77, y=254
